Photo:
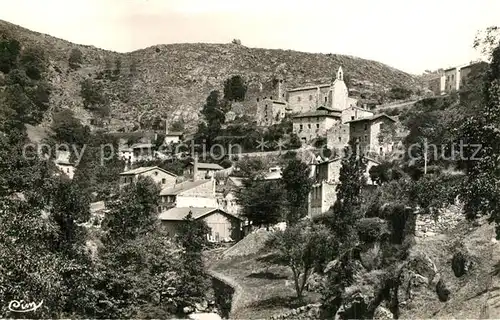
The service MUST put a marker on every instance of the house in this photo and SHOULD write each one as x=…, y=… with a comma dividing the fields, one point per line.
x=159, y=175
x=173, y=137
x=311, y=125
x=367, y=132
x=63, y=164
x=226, y=195
x=198, y=193
x=326, y=175
x=271, y=112
x=223, y=226
x=201, y=170
x=354, y=112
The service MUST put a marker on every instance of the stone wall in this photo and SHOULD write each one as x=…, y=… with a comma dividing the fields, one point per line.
x=308, y=312
x=428, y=226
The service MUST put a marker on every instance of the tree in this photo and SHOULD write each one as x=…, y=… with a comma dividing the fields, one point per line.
x=134, y=213
x=93, y=97
x=352, y=180
x=236, y=41
x=297, y=184
x=302, y=247
x=214, y=114
x=75, y=59
x=262, y=201
x=481, y=190
x=9, y=53
x=193, y=238
x=235, y=89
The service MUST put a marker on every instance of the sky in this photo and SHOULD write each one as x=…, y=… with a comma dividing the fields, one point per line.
x=409, y=35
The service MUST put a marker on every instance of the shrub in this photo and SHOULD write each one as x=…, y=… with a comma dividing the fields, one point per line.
x=372, y=229
x=75, y=59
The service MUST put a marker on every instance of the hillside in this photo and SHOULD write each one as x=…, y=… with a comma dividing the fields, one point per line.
x=174, y=80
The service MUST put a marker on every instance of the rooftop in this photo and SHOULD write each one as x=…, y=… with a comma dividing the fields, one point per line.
x=372, y=118
x=315, y=87
x=174, y=134
x=141, y=170
x=205, y=165
x=184, y=186
x=317, y=113
x=178, y=214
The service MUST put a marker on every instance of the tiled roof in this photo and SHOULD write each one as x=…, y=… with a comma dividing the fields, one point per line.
x=184, y=186
x=320, y=113
x=174, y=133
x=204, y=165
x=372, y=118
x=141, y=170
x=178, y=214
x=309, y=87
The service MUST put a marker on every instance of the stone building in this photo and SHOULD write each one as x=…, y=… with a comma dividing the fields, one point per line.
x=367, y=132
x=199, y=193
x=64, y=164
x=223, y=226
x=271, y=112
x=313, y=124
x=455, y=78
x=161, y=176
x=326, y=175
x=200, y=170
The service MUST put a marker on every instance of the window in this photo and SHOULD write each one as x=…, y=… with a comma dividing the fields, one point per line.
x=340, y=139
x=163, y=181
x=309, y=126
x=298, y=99
x=300, y=127
x=366, y=138
x=310, y=97
x=283, y=95
x=271, y=97
x=366, y=127
x=381, y=126
x=326, y=99
x=317, y=125
x=352, y=117
x=257, y=99
x=156, y=173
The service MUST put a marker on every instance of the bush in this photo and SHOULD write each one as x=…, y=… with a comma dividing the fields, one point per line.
x=75, y=59
x=372, y=229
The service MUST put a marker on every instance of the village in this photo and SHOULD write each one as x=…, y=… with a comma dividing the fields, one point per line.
x=324, y=112
x=315, y=166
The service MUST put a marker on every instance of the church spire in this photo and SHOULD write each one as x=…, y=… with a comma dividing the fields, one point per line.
x=340, y=74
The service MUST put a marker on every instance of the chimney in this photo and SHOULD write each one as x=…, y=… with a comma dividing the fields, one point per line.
x=195, y=167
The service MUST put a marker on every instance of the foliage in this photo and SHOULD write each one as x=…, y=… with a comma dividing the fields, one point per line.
x=214, y=112
x=193, y=238
x=385, y=172
x=177, y=126
x=352, y=180
x=235, y=89
x=399, y=93
x=93, y=97
x=481, y=191
x=236, y=41
x=302, y=247
x=68, y=129
x=252, y=167
x=133, y=213
x=262, y=201
x=297, y=184
x=75, y=59
x=9, y=53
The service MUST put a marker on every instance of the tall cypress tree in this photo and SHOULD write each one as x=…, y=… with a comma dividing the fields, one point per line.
x=352, y=180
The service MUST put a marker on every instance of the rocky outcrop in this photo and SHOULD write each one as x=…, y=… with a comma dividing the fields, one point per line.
x=428, y=225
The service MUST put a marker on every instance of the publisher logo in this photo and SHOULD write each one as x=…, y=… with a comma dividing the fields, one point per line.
x=23, y=306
